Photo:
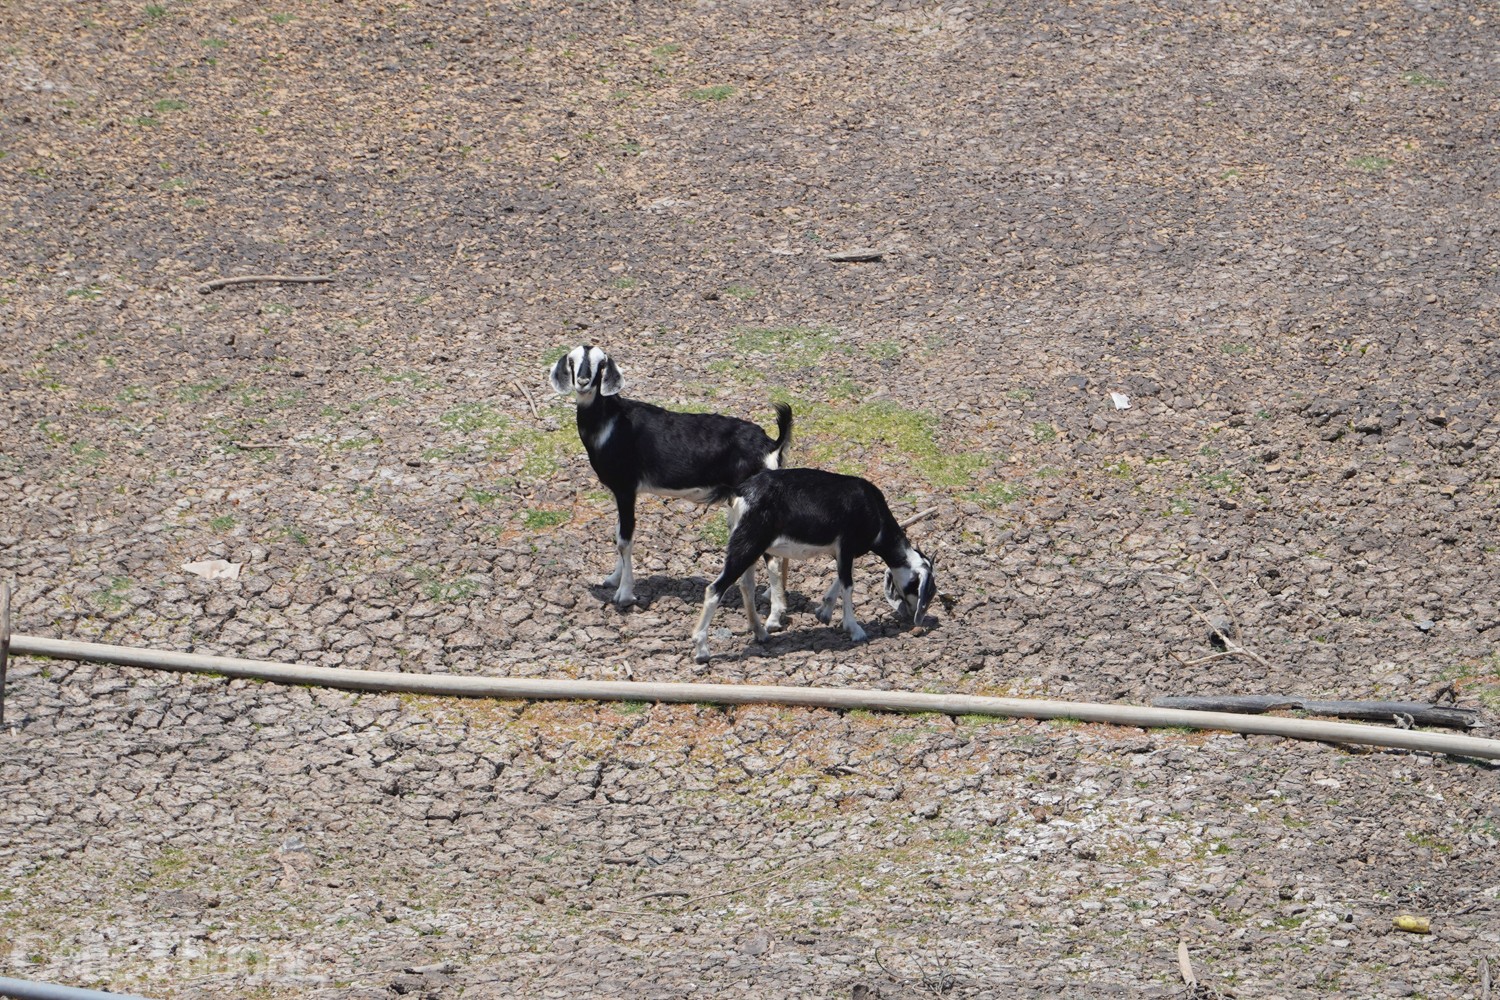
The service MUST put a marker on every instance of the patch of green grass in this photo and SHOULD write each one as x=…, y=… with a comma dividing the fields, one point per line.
x=1479, y=679
x=536, y=520
x=666, y=49
x=472, y=417
x=789, y=347
x=996, y=494
x=155, y=11
x=888, y=429
x=168, y=104
x=715, y=532
x=632, y=707
x=417, y=380
x=1177, y=505
x=884, y=350
x=215, y=43
x=1020, y=395
x=1371, y=164
x=112, y=598
x=718, y=92
x=742, y=292
x=435, y=589
x=222, y=523
x=1221, y=481
x=87, y=454
x=283, y=18
x=623, y=283
x=292, y=532
x=483, y=497
x=1416, y=78
x=544, y=451
x=1237, y=350
x=1043, y=432
x=196, y=392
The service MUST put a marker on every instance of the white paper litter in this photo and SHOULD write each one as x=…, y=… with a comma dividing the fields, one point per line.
x=213, y=569
x=1122, y=401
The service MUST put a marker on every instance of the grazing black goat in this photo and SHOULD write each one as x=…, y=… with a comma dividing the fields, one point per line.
x=637, y=447
x=802, y=513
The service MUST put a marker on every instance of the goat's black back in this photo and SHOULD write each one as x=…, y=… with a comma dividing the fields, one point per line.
x=672, y=451
x=816, y=507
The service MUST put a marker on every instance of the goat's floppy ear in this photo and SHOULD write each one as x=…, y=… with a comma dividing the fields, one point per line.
x=892, y=595
x=559, y=377
x=610, y=382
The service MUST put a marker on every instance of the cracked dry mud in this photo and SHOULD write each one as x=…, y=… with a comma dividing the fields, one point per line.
x=1271, y=227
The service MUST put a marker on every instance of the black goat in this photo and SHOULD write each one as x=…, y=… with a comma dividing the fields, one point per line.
x=802, y=513
x=637, y=447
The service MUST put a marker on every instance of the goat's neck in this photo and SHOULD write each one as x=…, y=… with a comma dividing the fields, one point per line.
x=594, y=408
x=892, y=546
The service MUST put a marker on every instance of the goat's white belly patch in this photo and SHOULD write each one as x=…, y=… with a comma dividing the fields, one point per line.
x=697, y=494
x=790, y=548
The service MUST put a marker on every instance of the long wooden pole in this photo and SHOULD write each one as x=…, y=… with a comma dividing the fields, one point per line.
x=527, y=688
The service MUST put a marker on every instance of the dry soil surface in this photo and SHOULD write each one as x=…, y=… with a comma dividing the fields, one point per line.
x=1271, y=227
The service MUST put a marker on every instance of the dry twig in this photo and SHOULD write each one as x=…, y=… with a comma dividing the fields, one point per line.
x=531, y=402
x=246, y=279
x=919, y=516
x=937, y=982
x=1232, y=645
x=1185, y=964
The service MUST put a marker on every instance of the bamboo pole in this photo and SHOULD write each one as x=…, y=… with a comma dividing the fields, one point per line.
x=25, y=989
x=525, y=688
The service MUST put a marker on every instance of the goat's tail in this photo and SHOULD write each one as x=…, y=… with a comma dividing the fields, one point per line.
x=783, y=440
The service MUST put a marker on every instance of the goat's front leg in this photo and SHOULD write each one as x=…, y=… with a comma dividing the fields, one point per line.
x=623, y=578
x=846, y=581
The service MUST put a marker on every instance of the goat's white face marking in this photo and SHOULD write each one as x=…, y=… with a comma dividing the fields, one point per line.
x=586, y=369
x=912, y=586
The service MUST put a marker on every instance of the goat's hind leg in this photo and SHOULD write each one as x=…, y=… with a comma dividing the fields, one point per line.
x=747, y=594
x=830, y=597
x=776, y=570
x=739, y=566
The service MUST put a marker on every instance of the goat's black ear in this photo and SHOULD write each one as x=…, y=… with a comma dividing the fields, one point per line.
x=610, y=382
x=559, y=375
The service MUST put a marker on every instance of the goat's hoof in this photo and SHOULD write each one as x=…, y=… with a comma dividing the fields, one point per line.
x=762, y=636
x=824, y=615
x=701, y=656
x=857, y=634
x=621, y=603
x=775, y=624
